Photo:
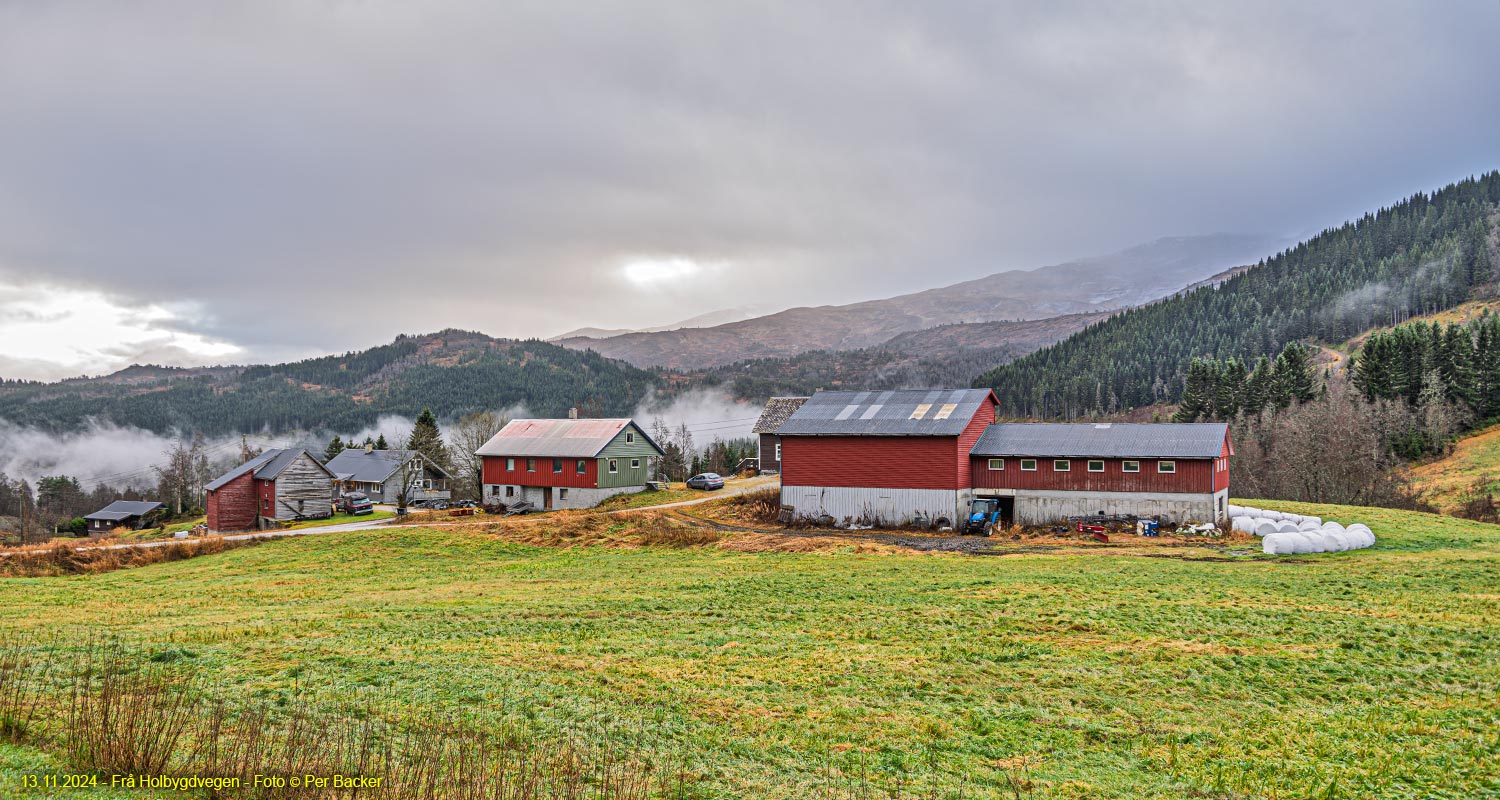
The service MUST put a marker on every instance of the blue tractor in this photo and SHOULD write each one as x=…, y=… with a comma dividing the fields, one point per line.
x=984, y=516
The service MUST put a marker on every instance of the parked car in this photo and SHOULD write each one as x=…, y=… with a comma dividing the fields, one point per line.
x=356, y=503
x=707, y=481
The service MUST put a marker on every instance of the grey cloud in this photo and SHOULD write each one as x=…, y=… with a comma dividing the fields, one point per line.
x=414, y=166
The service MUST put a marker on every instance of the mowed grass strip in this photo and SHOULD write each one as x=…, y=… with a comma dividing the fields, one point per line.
x=1369, y=673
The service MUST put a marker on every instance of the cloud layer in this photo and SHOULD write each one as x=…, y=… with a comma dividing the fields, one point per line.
x=294, y=178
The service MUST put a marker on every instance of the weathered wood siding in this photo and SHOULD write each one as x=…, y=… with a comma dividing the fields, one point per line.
x=767, y=452
x=303, y=490
x=231, y=507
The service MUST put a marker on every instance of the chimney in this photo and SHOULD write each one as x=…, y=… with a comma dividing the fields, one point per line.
x=370, y=448
x=573, y=413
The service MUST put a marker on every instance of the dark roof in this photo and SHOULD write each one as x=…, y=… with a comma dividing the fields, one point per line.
x=912, y=412
x=558, y=438
x=1103, y=439
x=776, y=412
x=266, y=466
x=124, y=509
x=375, y=466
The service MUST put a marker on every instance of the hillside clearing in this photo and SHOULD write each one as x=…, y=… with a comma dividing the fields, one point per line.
x=1057, y=674
x=1475, y=460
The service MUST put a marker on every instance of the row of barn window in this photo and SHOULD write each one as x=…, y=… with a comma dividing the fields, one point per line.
x=582, y=467
x=1066, y=465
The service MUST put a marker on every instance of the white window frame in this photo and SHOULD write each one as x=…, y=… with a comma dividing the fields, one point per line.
x=996, y=464
x=778, y=451
x=614, y=466
x=1026, y=461
x=510, y=465
x=1166, y=467
x=1067, y=465
x=582, y=467
x=1130, y=466
x=629, y=437
x=1094, y=461
x=562, y=493
x=635, y=463
x=557, y=466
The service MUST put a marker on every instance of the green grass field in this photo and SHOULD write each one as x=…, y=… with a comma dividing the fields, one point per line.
x=1066, y=673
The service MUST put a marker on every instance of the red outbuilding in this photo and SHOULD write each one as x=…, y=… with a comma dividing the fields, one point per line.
x=275, y=486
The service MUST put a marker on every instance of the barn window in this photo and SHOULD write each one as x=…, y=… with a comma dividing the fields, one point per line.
x=1062, y=465
x=1130, y=466
x=562, y=494
x=1028, y=465
x=510, y=491
x=997, y=464
x=1096, y=466
x=557, y=465
x=510, y=465
x=494, y=491
x=614, y=466
x=582, y=466
x=1166, y=466
x=531, y=465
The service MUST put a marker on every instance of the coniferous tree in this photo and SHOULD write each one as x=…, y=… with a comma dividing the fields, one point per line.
x=426, y=439
x=1198, y=393
x=381, y=443
x=334, y=448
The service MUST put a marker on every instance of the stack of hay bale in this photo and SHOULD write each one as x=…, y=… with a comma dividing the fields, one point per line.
x=1286, y=534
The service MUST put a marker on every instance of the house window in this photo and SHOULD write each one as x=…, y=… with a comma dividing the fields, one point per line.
x=997, y=464
x=614, y=466
x=582, y=466
x=557, y=465
x=510, y=491
x=1166, y=467
x=1096, y=466
x=1130, y=466
x=562, y=494
x=531, y=465
x=629, y=437
x=1028, y=465
x=510, y=465
x=1062, y=465
x=494, y=491
x=635, y=463
x=778, y=451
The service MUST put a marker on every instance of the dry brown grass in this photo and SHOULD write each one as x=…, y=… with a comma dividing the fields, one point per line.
x=779, y=543
x=595, y=529
x=51, y=560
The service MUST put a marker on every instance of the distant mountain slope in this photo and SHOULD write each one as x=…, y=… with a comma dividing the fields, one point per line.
x=1106, y=283
x=1424, y=254
x=452, y=372
x=723, y=316
x=948, y=355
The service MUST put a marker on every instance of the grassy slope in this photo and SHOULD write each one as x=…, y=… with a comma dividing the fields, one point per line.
x=1077, y=675
x=1475, y=459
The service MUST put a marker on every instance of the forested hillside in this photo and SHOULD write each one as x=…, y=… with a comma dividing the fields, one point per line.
x=452, y=372
x=1427, y=253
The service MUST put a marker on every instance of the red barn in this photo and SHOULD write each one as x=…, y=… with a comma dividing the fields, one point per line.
x=1043, y=472
x=274, y=486
x=893, y=457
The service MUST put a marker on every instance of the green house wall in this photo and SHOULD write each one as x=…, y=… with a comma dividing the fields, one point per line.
x=623, y=451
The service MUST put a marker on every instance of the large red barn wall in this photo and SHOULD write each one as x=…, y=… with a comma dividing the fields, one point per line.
x=1192, y=476
x=493, y=471
x=884, y=462
x=232, y=506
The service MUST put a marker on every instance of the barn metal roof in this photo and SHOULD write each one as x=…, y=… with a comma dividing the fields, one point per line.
x=266, y=466
x=375, y=466
x=776, y=412
x=911, y=412
x=1103, y=439
x=558, y=438
x=124, y=509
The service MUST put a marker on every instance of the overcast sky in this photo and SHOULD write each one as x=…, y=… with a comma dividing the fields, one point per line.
x=205, y=182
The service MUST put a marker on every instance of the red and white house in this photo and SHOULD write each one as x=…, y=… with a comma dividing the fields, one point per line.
x=1043, y=472
x=566, y=463
x=892, y=457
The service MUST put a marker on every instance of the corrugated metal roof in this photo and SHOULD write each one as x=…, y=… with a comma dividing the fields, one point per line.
x=375, y=466
x=1103, y=440
x=266, y=466
x=121, y=509
x=776, y=412
x=911, y=412
x=561, y=438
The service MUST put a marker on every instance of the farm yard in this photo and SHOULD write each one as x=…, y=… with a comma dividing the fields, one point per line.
x=811, y=665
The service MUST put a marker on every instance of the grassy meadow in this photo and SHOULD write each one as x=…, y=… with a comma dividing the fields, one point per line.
x=1067, y=672
x=1473, y=464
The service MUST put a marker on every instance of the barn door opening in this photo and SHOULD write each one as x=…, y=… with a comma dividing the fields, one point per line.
x=1007, y=510
x=547, y=497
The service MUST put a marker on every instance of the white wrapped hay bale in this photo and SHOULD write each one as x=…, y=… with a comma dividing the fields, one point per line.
x=1314, y=520
x=1243, y=524
x=1308, y=525
x=1265, y=527
x=1333, y=526
x=1287, y=526
x=1277, y=544
x=1302, y=544
x=1236, y=511
x=1332, y=541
